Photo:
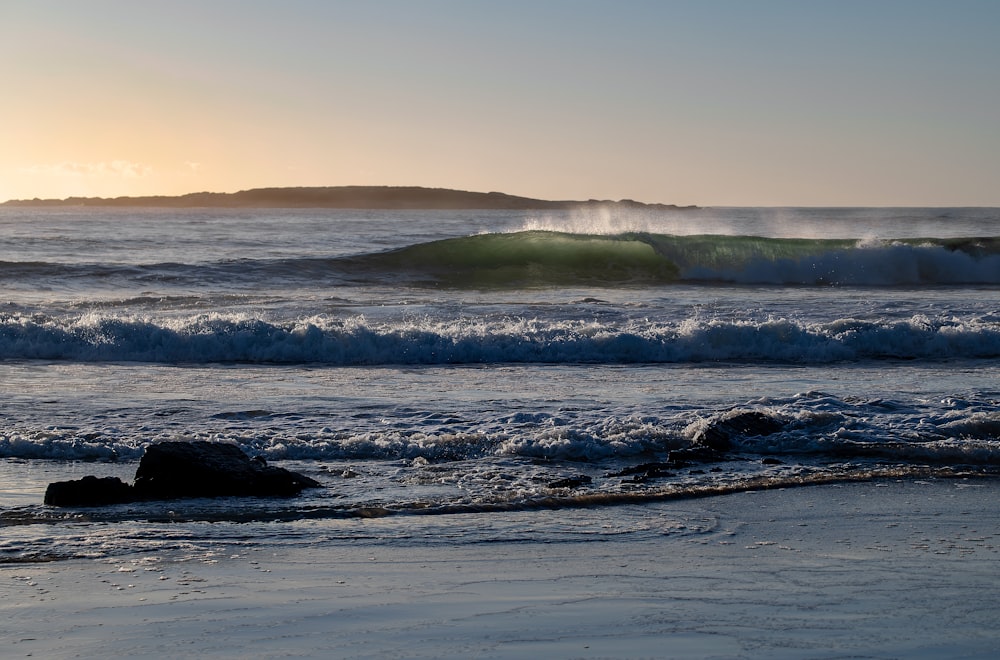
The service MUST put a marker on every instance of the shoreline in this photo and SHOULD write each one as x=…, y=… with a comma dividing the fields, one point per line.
x=876, y=569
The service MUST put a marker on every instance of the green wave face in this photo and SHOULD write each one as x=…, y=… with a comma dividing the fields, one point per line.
x=543, y=258
x=532, y=258
x=717, y=251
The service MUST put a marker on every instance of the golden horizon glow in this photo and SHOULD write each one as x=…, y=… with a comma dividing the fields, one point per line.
x=715, y=103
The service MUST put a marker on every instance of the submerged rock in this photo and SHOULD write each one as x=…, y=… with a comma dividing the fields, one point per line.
x=646, y=471
x=174, y=470
x=570, y=482
x=718, y=434
x=698, y=454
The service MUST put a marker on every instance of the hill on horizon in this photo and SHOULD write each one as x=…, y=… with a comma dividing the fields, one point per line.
x=340, y=197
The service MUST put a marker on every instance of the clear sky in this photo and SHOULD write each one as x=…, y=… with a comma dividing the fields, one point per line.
x=710, y=102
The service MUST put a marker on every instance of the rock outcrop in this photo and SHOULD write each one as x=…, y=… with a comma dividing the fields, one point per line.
x=89, y=491
x=175, y=470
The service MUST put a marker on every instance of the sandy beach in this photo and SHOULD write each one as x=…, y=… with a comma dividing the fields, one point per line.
x=868, y=570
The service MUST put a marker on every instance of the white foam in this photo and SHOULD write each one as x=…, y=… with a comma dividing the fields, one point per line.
x=355, y=341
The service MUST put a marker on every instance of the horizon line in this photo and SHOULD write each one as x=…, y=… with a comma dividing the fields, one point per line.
x=122, y=200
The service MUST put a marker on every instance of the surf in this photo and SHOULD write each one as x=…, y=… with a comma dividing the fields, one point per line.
x=539, y=258
x=551, y=259
x=527, y=258
x=358, y=341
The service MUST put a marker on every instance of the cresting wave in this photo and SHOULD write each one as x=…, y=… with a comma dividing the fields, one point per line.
x=546, y=259
x=221, y=338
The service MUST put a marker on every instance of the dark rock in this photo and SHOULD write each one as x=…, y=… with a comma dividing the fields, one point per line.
x=645, y=471
x=173, y=470
x=89, y=491
x=677, y=458
x=170, y=470
x=651, y=474
x=570, y=482
x=642, y=468
x=719, y=433
x=770, y=461
x=684, y=457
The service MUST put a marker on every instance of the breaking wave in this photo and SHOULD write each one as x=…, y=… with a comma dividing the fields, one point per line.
x=546, y=258
x=221, y=338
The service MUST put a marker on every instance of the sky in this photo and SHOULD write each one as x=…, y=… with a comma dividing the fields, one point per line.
x=708, y=102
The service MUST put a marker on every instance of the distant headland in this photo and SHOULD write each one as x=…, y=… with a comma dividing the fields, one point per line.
x=343, y=197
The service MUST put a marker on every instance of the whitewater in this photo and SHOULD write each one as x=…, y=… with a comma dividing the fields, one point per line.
x=441, y=362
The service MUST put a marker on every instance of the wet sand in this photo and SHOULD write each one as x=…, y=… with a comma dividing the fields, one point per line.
x=867, y=570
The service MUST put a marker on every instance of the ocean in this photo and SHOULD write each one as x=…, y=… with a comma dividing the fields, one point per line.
x=427, y=364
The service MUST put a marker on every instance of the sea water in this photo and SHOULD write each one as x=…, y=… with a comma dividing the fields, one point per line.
x=425, y=364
